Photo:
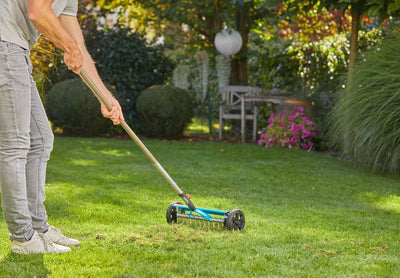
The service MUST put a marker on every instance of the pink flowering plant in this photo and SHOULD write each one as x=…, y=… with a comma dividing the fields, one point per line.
x=293, y=132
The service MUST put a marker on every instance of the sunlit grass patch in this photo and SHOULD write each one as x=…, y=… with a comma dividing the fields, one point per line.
x=307, y=215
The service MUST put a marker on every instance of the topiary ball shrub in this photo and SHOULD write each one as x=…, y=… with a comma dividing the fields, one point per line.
x=72, y=107
x=165, y=111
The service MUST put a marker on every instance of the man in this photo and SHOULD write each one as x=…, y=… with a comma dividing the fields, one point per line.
x=26, y=139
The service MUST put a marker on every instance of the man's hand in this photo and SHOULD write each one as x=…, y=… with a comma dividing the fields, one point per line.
x=115, y=114
x=46, y=22
x=74, y=60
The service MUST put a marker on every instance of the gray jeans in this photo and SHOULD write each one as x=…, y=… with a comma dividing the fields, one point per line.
x=26, y=141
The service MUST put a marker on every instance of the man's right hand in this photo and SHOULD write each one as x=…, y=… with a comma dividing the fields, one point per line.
x=73, y=59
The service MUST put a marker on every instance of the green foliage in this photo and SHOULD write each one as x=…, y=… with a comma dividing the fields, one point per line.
x=125, y=60
x=165, y=111
x=311, y=70
x=321, y=62
x=265, y=3
x=371, y=7
x=272, y=67
x=316, y=39
x=310, y=22
x=202, y=19
x=366, y=121
x=72, y=107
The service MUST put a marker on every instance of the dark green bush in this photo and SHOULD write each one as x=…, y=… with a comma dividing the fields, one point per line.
x=130, y=63
x=165, y=111
x=71, y=106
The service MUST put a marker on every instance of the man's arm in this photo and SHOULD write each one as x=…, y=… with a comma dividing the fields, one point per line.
x=72, y=27
x=47, y=23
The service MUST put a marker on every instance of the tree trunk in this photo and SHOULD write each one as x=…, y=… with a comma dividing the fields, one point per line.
x=239, y=73
x=355, y=27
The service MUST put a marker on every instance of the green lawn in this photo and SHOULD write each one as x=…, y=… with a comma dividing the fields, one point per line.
x=307, y=214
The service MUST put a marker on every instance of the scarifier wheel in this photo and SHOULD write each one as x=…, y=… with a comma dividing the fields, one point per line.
x=172, y=213
x=235, y=220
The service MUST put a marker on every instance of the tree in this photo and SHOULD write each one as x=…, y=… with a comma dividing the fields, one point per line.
x=204, y=19
x=247, y=15
x=313, y=38
x=381, y=8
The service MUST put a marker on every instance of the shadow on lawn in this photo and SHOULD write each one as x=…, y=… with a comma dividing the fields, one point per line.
x=15, y=265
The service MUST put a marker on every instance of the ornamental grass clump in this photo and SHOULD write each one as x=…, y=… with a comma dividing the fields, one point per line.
x=365, y=124
x=293, y=132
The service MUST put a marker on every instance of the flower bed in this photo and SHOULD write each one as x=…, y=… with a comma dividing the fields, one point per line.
x=294, y=131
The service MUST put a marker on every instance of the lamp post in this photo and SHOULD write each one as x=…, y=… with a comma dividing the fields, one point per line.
x=228, y=44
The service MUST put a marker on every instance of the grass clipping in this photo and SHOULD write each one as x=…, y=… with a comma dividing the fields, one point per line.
x=366, y=121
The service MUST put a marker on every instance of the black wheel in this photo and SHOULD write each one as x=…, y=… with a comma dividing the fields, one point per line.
x=172, y=213
x=235, y=220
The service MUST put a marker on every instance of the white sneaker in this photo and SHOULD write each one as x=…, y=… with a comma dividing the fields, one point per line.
x=37, y=245
x=55, y=235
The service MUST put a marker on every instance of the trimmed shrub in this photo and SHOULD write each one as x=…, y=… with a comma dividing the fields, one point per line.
x=165, y=111
x=366, y=121
x=124, y=59
x=71, y=106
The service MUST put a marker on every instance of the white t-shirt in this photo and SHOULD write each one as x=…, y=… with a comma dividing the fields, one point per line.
x=15, y=25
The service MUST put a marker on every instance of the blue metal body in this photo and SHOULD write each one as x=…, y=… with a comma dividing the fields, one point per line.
x=205, y=213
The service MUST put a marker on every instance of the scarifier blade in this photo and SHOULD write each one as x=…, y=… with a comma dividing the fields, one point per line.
x=204, y=225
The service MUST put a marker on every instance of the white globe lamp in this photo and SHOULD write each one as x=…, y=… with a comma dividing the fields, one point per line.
x=228, y=43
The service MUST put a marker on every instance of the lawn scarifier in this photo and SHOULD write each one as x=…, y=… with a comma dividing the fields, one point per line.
x=231, y=220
